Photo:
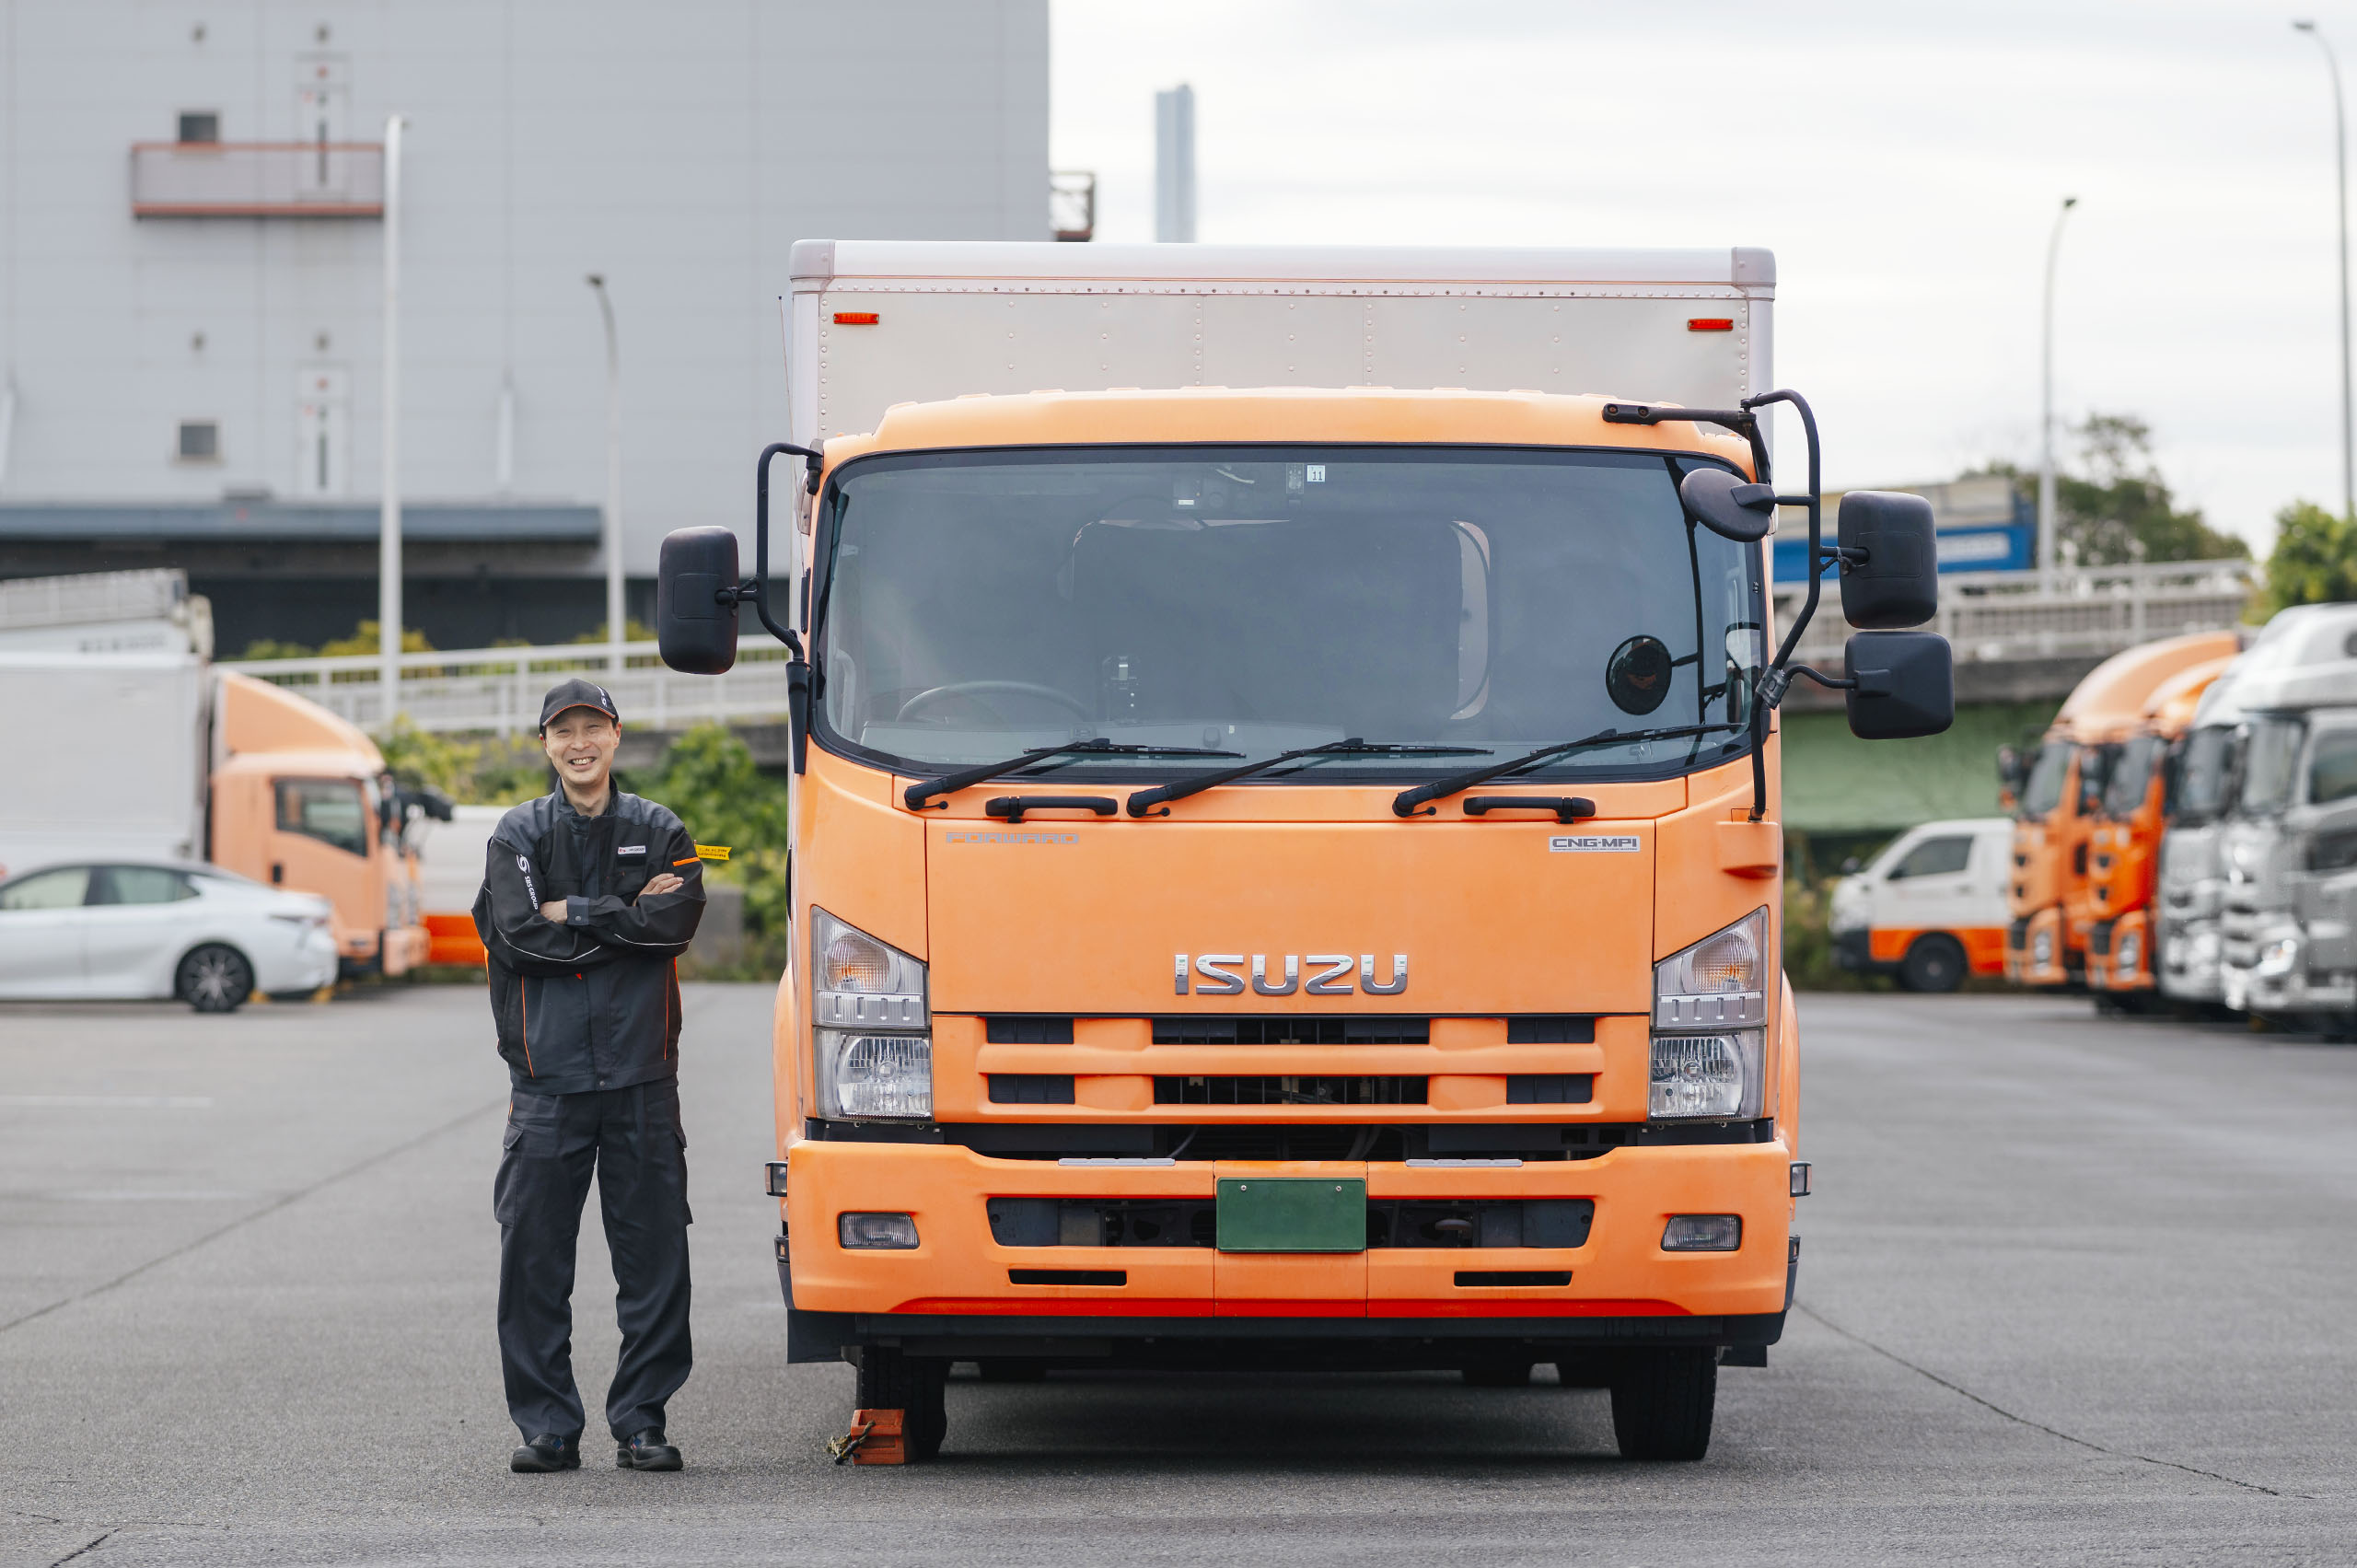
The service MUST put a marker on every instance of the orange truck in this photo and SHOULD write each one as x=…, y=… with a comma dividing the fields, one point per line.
x=131, y=744
x=1290, y=878
x=2057, y=793
x=2123, y=872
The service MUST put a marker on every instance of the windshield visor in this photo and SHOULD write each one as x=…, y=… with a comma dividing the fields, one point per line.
x=2270, y=763
x=1255, y=600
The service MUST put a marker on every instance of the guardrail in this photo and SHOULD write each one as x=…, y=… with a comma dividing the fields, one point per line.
x=1988, y=617
x=500, y=688
x=1997, y=616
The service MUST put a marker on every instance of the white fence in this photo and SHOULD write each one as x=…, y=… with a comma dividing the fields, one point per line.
x=500, y=688
x=1990, y=617
x=1995, y=616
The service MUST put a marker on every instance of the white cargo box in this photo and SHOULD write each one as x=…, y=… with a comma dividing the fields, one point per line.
x=871, y=323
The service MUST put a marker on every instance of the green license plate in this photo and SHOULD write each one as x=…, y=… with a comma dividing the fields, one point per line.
x=1292, y=1214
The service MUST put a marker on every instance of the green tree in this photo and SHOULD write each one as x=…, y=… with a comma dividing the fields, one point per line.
x=2114, y=507
x=2315, y=558
x=709, y=778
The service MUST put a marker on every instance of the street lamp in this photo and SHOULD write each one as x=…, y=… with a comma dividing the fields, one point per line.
x=613, y=529
x=2340, y=183
x=2046, y=530
x=389, y=514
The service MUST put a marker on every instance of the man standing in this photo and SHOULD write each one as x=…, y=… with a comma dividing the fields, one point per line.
x=588, y=899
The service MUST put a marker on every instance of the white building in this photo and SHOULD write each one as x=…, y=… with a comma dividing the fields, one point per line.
x=191, y=237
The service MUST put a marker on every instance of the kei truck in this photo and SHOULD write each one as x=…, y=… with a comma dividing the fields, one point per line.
x=1286, y=864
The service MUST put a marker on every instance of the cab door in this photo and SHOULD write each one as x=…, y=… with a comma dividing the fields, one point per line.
x=1932, y=887
x=323, y=839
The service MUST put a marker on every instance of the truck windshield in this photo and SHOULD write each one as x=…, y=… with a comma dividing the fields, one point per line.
x=2043, y=793
x=2132, y=776
x=1263, y=599
x=2270, y=763
x=2204, y=773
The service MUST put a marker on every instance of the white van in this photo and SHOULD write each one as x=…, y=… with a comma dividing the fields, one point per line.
x=1931, y=908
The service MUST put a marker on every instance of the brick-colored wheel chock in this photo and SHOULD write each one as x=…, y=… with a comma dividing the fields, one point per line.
x=877, y=1437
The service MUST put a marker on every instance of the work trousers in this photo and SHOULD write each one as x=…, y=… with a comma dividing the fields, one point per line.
x=632, y=1139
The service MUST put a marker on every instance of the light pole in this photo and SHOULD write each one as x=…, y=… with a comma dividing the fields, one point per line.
x=389, y=516
x=2340, y=185
x=613, y=529
x=2045, y=528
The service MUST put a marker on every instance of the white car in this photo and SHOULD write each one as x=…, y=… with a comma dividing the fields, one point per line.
x=161, y=929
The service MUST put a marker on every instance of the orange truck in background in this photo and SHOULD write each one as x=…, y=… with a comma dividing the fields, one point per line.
x=1290, y=878
x=129, y=743
x=2125, y=846
x=2058, y=794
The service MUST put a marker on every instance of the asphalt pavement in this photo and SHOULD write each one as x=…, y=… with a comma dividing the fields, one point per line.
x=2074, y=1290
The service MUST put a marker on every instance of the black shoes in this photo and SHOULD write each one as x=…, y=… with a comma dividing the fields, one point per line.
x=646, y=1451
x=546, y=1453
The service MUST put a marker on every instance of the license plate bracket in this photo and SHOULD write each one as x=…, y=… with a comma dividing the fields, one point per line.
x=1292, y=1214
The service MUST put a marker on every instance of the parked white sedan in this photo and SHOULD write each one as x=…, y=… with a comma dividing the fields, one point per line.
x=159, y=929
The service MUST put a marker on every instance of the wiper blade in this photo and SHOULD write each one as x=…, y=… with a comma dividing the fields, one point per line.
x=1144, y=800
x=1406, y=802
x=917, y=794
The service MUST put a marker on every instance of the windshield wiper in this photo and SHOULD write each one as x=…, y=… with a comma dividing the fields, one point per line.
x=917, y=794
x=1406, y=802
x=1141, y=803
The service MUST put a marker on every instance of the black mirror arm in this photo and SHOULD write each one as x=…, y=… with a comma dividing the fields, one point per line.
x=755, y=591
x=1777, y=678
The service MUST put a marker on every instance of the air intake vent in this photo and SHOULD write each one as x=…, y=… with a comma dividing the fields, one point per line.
x=1551, y=1029
x=1293, y=1031
x=1292, y=1091
x=1024, y=1030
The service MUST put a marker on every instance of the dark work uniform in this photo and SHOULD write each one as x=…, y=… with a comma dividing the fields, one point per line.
x=589, y=1022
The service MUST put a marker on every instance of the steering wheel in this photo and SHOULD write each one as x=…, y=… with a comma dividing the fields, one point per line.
x=976, y=688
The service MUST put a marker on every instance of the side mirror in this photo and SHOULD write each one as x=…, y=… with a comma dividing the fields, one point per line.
x=1728, y=504
x=1898, y=584
x=695, y=631
x=1905, y=683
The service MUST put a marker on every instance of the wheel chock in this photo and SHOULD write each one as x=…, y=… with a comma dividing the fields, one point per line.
x=877, y=1437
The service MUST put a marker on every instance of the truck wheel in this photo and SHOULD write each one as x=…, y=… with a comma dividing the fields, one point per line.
x=1516, y=1376
x=1933, y=963
x=213, y=978
x=916, y=1385
x=1662, y=1401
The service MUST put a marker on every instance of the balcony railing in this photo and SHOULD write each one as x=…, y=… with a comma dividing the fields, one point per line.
x=256, y=179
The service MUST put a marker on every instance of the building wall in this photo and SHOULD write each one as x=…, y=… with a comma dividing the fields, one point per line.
x=678, y=149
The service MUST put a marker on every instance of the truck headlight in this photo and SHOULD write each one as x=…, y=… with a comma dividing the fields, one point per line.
x=2279, y=958
x=2130, y=952
x=1715, y=1075
x=1705, y=1063
x=2042, y=948
x=871, y=1038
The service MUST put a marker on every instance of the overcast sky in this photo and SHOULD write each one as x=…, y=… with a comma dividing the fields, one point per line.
x=1905, y=163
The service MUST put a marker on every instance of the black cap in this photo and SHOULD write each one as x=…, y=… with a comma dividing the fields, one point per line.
x=577, y=693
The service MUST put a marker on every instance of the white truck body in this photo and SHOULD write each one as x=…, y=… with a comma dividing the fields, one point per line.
x=105, y=612
x=110, y=756
x=871, y=323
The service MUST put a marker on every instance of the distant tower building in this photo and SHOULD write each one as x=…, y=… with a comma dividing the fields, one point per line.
x=1173, y=165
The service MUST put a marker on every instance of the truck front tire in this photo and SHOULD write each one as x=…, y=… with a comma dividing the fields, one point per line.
x=916, y=1385
x=1934, y=963
x=1662, y=1401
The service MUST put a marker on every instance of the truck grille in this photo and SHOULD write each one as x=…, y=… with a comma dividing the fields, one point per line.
x=1290, y=1090
x=1426, y=1223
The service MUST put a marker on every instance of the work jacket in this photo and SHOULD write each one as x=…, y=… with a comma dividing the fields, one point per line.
x=593, y=1002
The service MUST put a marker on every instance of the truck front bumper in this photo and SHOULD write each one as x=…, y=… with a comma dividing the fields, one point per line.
x=959, y=1286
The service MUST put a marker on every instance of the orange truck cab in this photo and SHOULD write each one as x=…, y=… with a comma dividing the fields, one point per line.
x=2059, y=803
x=299, y=800
x=2125, y=844
x=1288, y=877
